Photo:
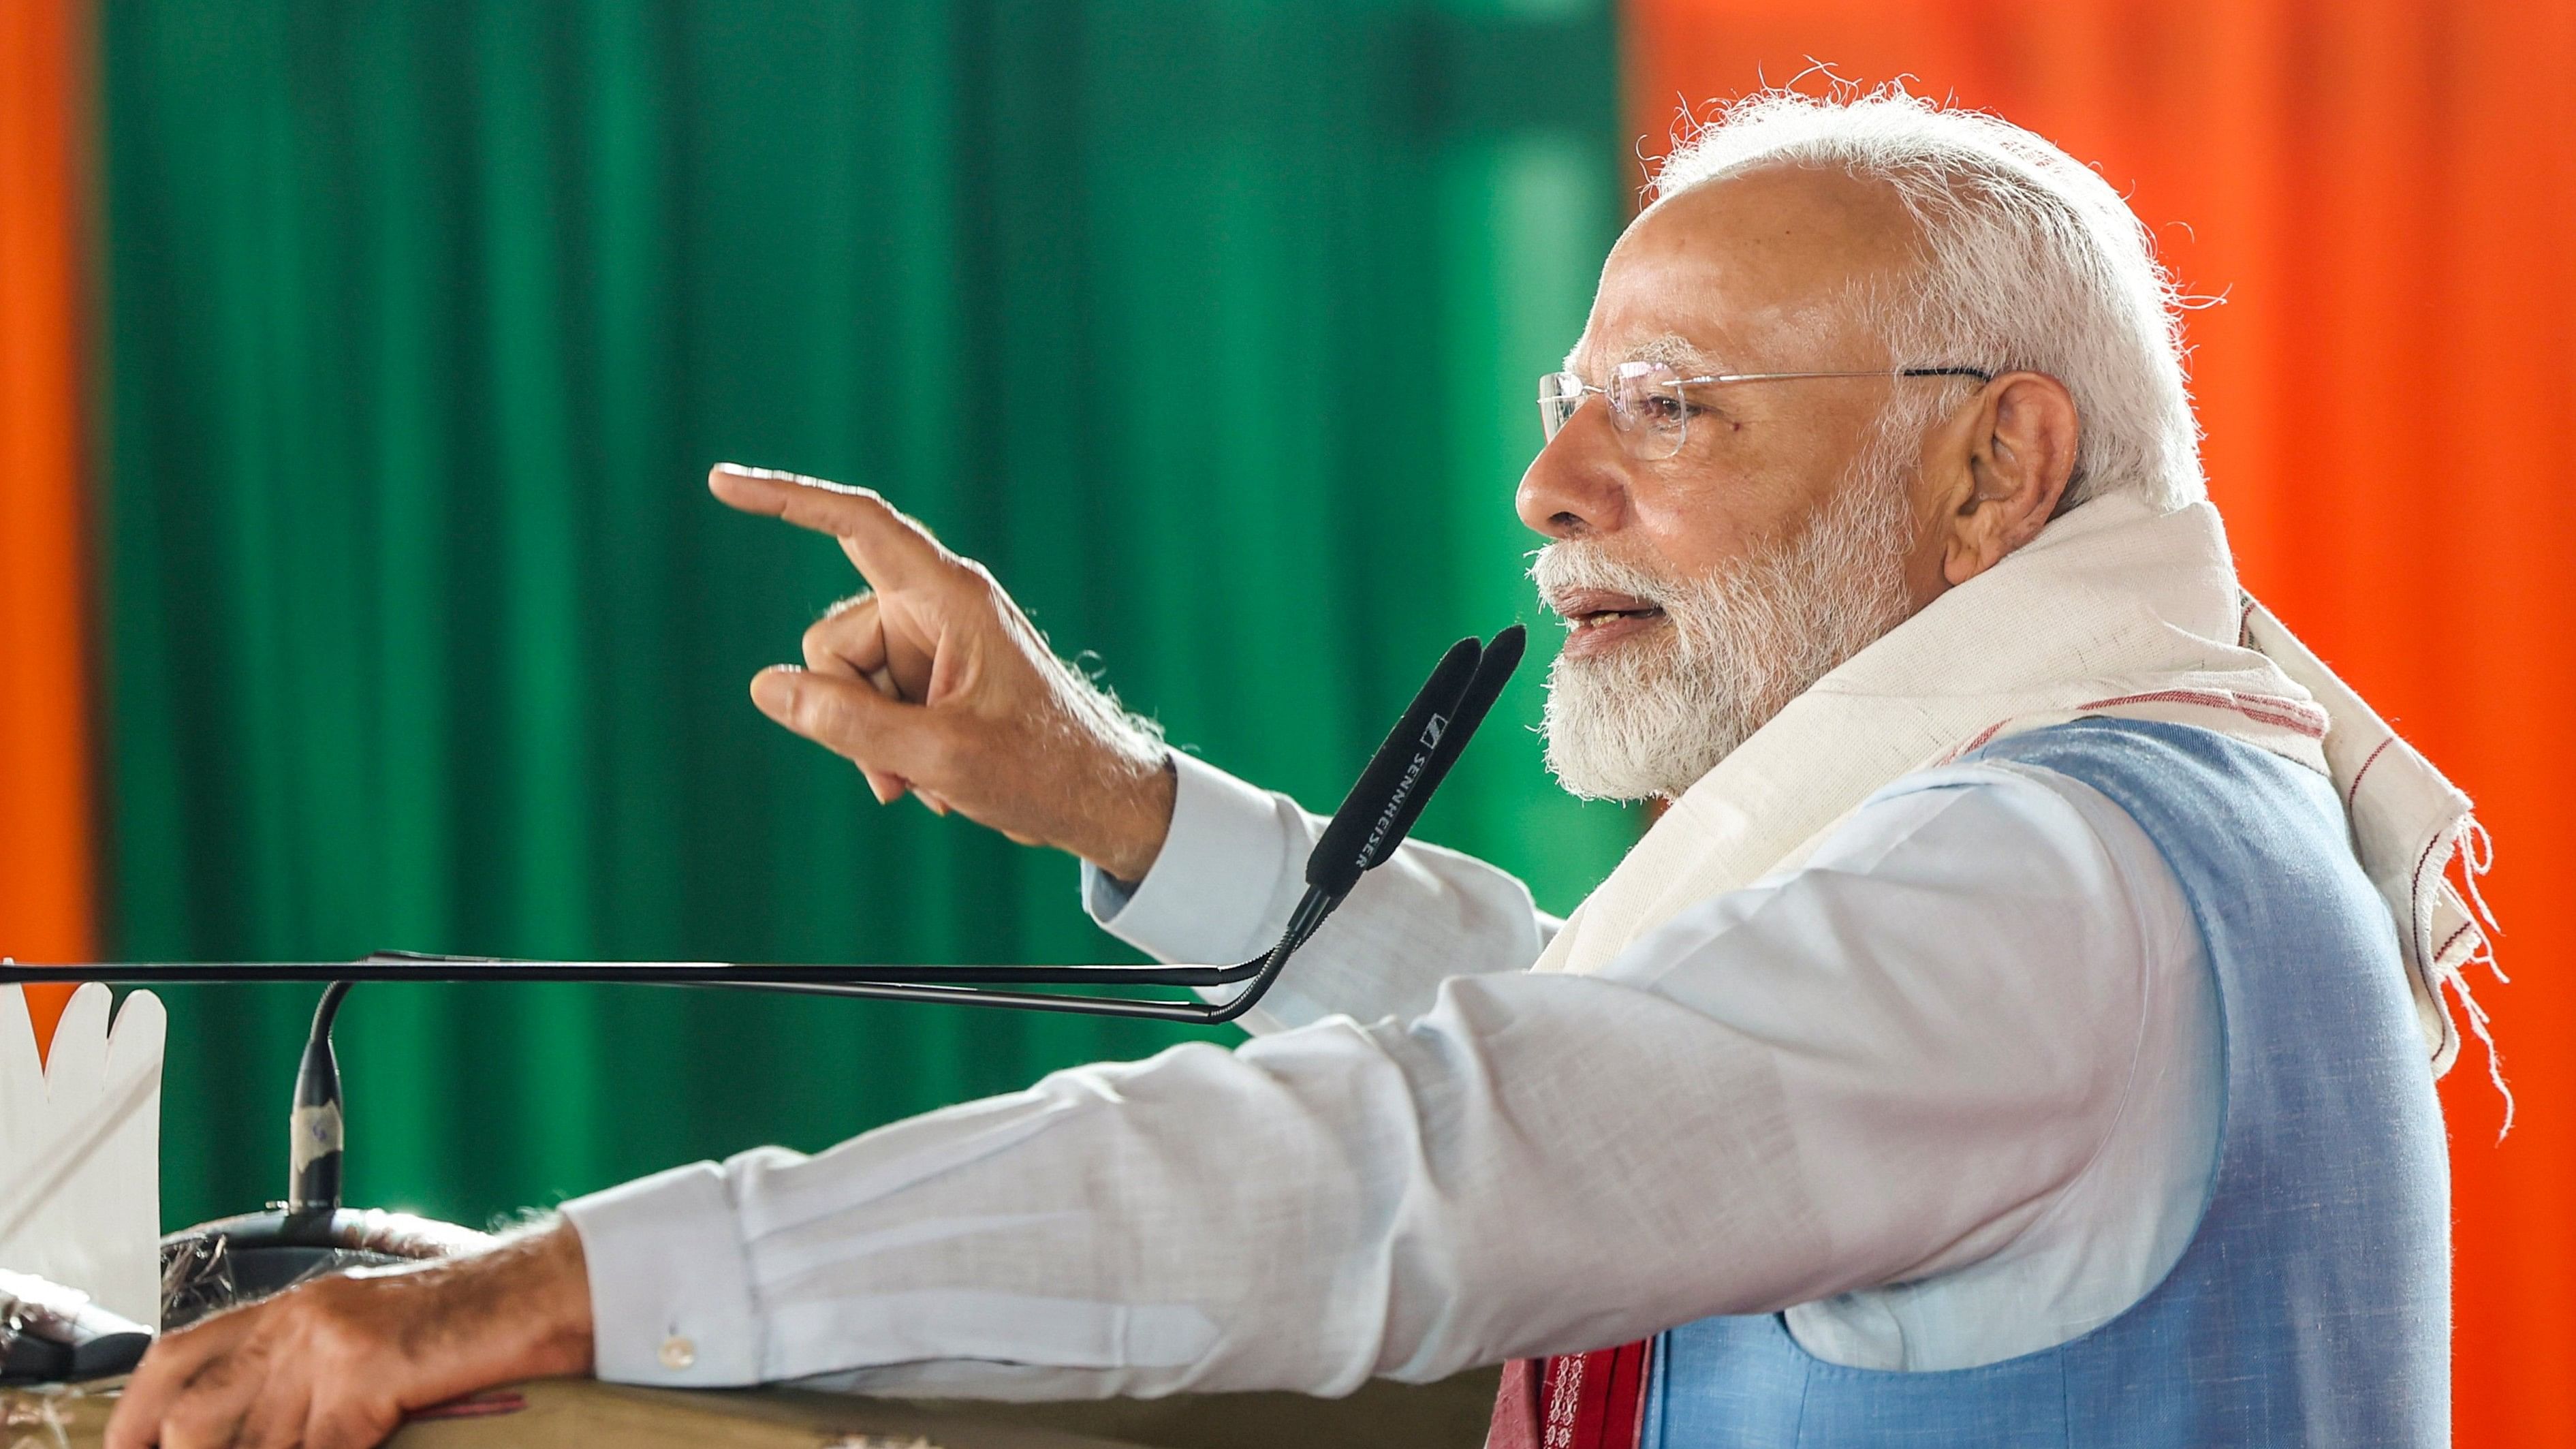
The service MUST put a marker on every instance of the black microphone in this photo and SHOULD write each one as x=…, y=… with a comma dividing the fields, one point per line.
x=1493, y=671
x=1356, y=837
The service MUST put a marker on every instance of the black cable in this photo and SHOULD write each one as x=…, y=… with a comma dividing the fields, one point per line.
x=1372, y=821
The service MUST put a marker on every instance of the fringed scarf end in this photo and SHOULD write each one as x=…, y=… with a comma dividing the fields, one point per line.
x=2472, y=943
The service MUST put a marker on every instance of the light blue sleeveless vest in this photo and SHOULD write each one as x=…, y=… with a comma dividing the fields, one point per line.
x=2312, y=1305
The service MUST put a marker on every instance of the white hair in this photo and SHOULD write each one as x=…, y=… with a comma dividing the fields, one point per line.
x=2031, y=261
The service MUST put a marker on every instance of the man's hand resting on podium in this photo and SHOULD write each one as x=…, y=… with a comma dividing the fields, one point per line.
x=338, y=1362
x=935, y=682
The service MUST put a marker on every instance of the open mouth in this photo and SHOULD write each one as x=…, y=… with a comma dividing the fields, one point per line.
x=1597, y=619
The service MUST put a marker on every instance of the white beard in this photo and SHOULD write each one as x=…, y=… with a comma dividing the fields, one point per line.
x=1656, y=713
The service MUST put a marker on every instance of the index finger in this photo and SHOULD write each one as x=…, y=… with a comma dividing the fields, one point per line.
x=891, y=550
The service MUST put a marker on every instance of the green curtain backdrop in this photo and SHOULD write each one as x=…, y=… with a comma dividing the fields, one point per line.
x=1211, y=327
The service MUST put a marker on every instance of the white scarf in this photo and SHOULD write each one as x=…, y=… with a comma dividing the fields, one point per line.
x=2115, y=610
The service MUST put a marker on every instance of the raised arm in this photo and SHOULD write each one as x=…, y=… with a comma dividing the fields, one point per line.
x=934, y=682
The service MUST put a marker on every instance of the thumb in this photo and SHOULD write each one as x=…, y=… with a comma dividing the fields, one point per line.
x=846, y=716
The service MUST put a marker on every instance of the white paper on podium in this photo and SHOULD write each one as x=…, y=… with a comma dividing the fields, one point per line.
x=80, y=1148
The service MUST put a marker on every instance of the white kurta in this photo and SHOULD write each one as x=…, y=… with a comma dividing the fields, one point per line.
x=1950, y=1088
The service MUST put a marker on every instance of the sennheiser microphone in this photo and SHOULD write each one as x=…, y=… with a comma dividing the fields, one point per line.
x=1441, y=741
x=1362, y=831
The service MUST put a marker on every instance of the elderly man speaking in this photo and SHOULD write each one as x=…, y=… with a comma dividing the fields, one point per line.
x=2020, y=1029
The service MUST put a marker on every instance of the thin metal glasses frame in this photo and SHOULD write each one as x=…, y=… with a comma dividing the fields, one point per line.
x=1561, y=395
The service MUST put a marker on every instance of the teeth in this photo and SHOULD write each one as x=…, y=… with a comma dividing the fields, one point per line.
x=1596, y=620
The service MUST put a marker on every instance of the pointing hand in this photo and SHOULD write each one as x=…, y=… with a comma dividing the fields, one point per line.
x=935, y=682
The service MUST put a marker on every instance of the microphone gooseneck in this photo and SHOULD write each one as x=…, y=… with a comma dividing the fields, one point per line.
x=1373, y=820
x=315, y=1127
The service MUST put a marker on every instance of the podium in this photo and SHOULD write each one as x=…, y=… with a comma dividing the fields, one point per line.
x=581, y=1414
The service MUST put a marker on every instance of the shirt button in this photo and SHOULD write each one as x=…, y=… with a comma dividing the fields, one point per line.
x=678, y=1352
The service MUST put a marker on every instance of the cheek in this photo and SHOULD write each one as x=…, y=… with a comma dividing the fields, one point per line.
x=1703, y=517
x=1692, y=527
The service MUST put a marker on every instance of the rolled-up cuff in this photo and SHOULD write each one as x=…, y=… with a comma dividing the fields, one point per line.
x=1211, y=891
x=671, y=1303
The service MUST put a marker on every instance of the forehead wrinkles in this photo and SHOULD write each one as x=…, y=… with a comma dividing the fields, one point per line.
x=1835, y=325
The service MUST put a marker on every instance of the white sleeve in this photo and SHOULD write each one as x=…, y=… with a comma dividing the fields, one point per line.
x=1233, y=867
x=1880, y=1066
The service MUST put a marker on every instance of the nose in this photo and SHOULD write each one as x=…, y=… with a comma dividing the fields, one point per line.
x=1577, y=485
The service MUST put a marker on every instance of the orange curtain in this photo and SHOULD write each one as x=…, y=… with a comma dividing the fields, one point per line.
x=45, y=835
x=2384, y=193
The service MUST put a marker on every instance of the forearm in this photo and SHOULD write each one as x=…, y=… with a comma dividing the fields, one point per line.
x=1541, y=1164
x=1348, y=1202
x=526, y=1299
x=1318, y=1208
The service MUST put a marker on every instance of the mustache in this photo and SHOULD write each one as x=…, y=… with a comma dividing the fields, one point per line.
x=1572, y=565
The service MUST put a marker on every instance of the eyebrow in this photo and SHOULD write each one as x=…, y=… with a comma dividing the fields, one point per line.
x=1668, y=347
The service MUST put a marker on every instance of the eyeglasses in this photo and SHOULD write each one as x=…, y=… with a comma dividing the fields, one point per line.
x=1650, y=409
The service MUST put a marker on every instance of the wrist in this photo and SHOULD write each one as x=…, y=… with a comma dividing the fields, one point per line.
x=523, y=1307
x=561, y=1339
x=1138, y=815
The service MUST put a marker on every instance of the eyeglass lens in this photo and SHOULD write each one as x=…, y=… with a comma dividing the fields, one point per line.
x=1559, y=394
x=1646, y=406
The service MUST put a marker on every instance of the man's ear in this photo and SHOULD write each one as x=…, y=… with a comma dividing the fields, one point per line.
x=2021, y=452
